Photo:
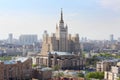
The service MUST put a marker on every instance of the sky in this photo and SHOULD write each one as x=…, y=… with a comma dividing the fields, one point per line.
x=94, y=19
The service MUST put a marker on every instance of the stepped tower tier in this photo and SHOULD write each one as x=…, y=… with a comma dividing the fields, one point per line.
x=62, y=35
x=60, y=41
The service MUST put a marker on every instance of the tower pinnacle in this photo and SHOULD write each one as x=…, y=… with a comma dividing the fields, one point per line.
x=61, y=21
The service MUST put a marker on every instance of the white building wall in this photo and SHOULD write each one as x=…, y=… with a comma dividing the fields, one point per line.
x=28, y=39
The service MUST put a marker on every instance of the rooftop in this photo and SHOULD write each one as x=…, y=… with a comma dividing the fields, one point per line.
x=113, y=60
x=14, y=61
x=61, y=53
x=46, y=69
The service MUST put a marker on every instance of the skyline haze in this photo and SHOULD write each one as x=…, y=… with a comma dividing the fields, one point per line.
x=94, y=19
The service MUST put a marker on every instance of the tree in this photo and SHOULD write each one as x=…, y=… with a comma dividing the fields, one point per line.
x=43, y=65
x=56, y=67
x=96, y=75
x=92, y=61
x=34, y=65
x=80, y=74
x=60, y=74
x=118, y=78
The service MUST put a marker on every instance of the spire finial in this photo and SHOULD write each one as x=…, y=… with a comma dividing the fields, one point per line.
x=61, y=21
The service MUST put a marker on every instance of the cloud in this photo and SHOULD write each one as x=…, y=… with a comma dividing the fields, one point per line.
x=111, y=4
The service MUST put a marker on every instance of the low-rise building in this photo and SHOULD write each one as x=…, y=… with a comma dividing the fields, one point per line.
x=18, y=69
x=62, y=59
x=105, y=65
x=42, y=74
x=114, y=74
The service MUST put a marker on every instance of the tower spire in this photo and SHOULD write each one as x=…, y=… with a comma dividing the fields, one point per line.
x=61, y=21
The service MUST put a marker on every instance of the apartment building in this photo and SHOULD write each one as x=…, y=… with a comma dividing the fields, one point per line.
x=17, y=69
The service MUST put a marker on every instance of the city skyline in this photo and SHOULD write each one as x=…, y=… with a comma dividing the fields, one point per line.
x=95, y=19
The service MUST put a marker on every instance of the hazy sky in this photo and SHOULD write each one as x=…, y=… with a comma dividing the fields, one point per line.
x=95, y=19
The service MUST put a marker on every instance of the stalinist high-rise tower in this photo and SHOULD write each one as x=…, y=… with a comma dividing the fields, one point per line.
x=62, y=35
x=61, y=49
x=60, y=41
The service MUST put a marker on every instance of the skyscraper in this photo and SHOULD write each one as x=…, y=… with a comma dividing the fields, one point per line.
x=60, y=41
x=111, y=37
x=61, y=49
x=10, y=38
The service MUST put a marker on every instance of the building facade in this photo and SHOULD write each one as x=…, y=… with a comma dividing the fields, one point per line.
x=114, y=73
x=10, y=38
x=60, y=41
x=62, y=59
x=61, y=49
x=19, y=69
x=42, y=74
x=28, y=39
x=105, y=65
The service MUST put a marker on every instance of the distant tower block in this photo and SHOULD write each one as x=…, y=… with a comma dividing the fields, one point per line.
x=111, y=37
x=10, y=38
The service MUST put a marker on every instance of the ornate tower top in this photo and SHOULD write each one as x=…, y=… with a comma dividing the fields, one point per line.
x=61, y=21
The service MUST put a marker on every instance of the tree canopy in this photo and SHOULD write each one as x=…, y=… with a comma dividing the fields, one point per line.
x=80, y=74
x=96, y=75
x=56, y=67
